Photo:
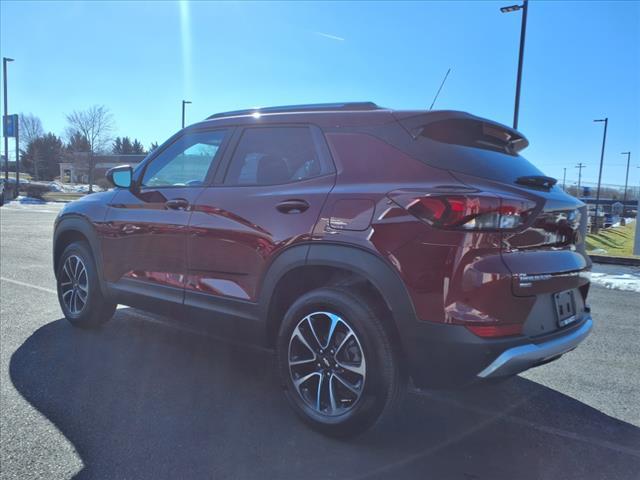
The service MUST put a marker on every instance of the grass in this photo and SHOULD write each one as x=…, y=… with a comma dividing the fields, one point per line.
x=618, y=242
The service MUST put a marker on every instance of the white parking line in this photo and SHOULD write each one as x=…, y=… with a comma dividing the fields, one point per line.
x=30, y=285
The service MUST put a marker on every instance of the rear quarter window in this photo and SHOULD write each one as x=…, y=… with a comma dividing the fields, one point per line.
x=450, y=147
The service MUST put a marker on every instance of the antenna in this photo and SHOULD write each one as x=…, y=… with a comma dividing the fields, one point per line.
x=438, y=92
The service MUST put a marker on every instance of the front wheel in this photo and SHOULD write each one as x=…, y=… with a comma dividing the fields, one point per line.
x=340, y=371
x=79, y=292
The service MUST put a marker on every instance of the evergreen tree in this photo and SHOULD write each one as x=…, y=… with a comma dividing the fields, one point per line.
x=136, y=147
x=78, y=143
x=42, y=156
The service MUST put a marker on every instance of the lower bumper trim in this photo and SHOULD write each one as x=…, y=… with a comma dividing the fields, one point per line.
x=517, y=359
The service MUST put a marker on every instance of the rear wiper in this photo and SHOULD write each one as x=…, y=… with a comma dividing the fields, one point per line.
x=537, y=181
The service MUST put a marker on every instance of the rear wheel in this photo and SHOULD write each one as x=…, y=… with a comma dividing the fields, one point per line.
x=336, y=361
x=79, y=292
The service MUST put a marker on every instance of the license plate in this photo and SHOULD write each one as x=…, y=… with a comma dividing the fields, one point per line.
x=565, y=307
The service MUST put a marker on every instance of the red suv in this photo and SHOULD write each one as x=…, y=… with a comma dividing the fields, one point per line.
x=365, y=245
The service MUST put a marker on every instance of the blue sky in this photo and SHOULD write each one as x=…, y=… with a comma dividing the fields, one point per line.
x=582, y=62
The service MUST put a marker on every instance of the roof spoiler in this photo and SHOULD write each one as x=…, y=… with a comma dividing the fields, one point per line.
x=461, y=128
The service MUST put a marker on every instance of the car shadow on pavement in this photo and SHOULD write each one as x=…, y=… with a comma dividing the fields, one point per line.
x=140, y=399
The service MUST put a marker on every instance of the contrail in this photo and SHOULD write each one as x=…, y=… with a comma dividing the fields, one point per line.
x=332, y=37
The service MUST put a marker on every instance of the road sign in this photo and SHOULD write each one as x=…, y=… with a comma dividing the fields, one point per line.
x=10, y=125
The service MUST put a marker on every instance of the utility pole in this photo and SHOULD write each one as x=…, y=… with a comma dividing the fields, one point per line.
x=523, y=30
x=626, y=179
x=184, y=102
x=580, y=166
x=604, y=140
x=564, y=179
x=5, y=60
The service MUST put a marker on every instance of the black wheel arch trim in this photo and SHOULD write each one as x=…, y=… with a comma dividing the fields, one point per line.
x=353, y=258
x=80, y=224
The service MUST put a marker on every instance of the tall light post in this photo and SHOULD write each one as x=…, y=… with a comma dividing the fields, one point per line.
x=604, y=140
x=564, y=179
x=626, y=179
x=184, y=102
x=523, y=30
x=5, y=60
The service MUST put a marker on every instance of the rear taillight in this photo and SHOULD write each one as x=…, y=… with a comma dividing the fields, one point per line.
x=469, y=212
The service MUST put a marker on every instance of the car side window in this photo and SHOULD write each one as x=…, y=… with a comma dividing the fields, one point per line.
x=186, y=162
x=274, y=155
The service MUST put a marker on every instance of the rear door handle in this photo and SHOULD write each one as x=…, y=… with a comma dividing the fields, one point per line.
x=292, y=206
x=177, y=204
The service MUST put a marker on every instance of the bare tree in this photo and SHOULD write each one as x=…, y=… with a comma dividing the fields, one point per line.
x=96, y=125
x=30, y=129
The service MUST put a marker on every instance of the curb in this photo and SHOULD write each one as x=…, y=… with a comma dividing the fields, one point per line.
x=629, y=261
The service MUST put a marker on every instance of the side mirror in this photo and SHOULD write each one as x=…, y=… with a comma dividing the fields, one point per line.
x=120, y=176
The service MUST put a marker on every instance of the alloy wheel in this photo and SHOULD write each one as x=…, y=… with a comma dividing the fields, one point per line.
x=327, y=363
x=74, y=284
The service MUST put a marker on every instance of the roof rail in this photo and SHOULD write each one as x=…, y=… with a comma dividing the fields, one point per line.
x=318, y=107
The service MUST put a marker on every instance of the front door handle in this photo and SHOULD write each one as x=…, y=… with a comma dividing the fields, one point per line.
x=177, y=204
x=292, y=206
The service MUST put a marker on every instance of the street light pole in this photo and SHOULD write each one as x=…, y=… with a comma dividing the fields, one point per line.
x=564, y=179
x=5, y=60
x=523, y=31
x=626, y=179
x=604, y=140
x=184, y=102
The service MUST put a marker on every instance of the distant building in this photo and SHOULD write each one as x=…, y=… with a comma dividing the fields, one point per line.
x=75, y=166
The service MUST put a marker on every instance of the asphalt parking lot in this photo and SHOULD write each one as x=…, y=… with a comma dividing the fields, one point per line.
x=146, y=398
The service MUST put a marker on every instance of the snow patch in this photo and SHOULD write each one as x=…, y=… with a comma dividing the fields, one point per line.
x=22, y=200
x=618, y=278
x=72, y=188
x=30, y=204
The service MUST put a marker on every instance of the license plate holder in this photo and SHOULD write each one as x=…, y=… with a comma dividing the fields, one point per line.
x=565, y=304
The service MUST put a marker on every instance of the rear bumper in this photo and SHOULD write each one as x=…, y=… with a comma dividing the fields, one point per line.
x=517, y=359
x=450, y=356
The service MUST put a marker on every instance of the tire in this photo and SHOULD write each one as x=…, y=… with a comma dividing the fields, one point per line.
x=359, y=352
x=79, y=292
